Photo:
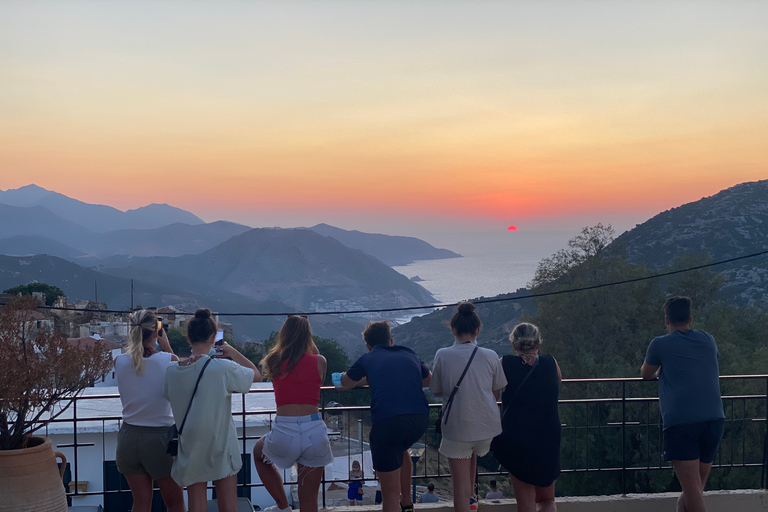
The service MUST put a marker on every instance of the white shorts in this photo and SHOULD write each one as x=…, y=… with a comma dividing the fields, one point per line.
x=302, y=439
x=464, y=449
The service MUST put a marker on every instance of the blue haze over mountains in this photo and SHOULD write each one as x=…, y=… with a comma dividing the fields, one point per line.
x=176, y=259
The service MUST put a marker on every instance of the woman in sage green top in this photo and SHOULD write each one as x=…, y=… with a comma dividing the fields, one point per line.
x=208, y=447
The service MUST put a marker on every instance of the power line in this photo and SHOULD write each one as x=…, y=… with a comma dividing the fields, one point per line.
x=452, y=304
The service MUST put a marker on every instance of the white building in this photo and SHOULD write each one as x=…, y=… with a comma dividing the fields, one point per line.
x=117, y=329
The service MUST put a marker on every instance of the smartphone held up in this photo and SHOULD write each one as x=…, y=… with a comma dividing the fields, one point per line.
x=218, y=340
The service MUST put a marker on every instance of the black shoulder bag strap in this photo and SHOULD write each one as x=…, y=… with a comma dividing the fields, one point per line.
x=527, y=376
x=449, y=403
x=193, y=394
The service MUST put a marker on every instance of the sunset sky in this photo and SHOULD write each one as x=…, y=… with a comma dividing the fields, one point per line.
x=391, y=116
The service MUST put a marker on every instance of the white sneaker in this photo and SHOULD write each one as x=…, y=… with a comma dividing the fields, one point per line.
x=275, y=508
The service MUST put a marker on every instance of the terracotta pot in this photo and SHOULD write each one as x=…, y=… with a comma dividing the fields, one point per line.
x=30, y=480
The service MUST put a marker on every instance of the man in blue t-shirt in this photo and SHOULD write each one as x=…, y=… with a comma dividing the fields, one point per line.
x=399, y=409
x=685, y=362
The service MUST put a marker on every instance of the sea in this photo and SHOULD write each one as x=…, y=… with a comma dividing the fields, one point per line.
x=492, y=263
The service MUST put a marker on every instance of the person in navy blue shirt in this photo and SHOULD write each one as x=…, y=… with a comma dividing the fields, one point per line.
x=685, y=362
x=399, y=409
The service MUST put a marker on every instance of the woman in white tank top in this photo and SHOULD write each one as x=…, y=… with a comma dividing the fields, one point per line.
x=147, y=418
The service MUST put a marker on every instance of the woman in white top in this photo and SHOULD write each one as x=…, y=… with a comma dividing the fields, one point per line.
x=472, y=420
x=208, y=447
x=147, y=418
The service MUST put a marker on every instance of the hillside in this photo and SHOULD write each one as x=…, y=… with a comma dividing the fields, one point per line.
x=78, y=283
x=29, y=245
x=171, y=240
x=731, y=223
x=392, y=250
x=40, y=222
x=297, y=267
x=426, y=334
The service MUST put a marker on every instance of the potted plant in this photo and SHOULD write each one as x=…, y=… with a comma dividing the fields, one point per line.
x=40, y=373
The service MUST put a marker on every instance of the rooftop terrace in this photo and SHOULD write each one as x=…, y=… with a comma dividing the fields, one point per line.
x=611, y=456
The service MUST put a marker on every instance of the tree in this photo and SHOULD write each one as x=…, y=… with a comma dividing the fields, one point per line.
x=589, y=244
x=41, y=372
x=605, y=332
x=602, y=332
x=51, y=292
x=178, y=341
x=252, y=351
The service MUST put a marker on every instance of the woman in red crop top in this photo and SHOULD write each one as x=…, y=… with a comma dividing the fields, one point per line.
x=298, y=435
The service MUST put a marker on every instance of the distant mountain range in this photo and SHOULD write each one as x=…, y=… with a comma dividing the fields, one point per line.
x=97, y=217
x=392, y=250
x=83, y=233
x=176, y=259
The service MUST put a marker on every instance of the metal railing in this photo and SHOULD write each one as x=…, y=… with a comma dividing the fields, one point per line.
x=611, y=435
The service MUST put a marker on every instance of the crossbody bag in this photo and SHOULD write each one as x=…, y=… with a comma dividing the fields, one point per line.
x=173, y=437
x=443, y=418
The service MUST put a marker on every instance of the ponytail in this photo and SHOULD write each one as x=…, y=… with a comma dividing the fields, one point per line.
x=143, y=325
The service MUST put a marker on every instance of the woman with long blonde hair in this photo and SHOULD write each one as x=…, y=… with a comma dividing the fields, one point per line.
x=298, y=435
x=147, y=418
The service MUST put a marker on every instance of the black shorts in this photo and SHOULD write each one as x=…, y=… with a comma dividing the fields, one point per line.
x=391, y=437
x=694, y=441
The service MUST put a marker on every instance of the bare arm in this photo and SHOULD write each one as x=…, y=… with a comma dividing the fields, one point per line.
x=559, y=373
x=426, y=380
x=348, y=383
x=322, y=366
x=505, y=387
x=228, y=350
x=649, y=371
x=165, y=345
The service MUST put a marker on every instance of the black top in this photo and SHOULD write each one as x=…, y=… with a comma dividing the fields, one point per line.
x=529, y=446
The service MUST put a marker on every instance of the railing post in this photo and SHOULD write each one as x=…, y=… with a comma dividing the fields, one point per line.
x=322, y=412
x=765, y=442
x=74, y=439
x=623, y=438
x=246, y=485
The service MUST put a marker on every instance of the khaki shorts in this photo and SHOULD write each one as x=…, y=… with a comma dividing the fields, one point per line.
x=141, y=451
x=464, y=449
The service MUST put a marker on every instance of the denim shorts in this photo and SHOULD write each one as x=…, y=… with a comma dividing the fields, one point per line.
x=302, y=439
x=694, y=441
x=390, y=437
x=142, y=451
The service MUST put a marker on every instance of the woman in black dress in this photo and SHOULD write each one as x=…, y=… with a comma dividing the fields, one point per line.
x=529, y=445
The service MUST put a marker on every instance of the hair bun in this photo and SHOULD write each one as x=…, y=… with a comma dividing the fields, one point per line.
x=466, y=308
x=203, y=313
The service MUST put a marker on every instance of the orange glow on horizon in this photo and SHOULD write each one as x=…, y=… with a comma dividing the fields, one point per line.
x=483, y=113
